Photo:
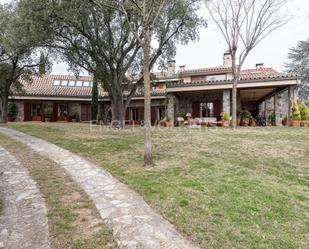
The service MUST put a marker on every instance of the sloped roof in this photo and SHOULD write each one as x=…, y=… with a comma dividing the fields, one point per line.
x=44, y=86
x=261, y=73
x=206, y=70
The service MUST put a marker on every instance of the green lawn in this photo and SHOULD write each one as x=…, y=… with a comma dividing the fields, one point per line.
x=222, y=189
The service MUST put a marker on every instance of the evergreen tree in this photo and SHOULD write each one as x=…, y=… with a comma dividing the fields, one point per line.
x=94, y=100
x=42, y=66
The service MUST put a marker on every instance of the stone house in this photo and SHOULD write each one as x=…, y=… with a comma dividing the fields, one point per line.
x=204, y=92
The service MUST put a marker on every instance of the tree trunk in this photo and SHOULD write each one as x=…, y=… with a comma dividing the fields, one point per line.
x=234, y=104
x=118, y=112
x=3, y=110
x=147, y=100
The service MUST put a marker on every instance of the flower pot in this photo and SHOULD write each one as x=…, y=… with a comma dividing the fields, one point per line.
x=273, y=123
x=47, y=119
x=9, y=119
x=284, y=122
x=295, y=122
x=226, y=123
x=168, y=124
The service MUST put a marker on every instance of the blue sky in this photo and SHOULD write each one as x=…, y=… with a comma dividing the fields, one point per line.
x=208, y=51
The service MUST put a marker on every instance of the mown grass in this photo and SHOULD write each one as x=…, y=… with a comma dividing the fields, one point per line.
x=74, y=222
x=221, y=188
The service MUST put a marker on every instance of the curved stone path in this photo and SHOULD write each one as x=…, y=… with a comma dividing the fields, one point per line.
x=23, y=223
x=134, y=223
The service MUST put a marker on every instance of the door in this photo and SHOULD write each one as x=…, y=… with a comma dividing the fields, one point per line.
x=36, y=112
x=27, y=111
x=86, y=112
x=62, y=112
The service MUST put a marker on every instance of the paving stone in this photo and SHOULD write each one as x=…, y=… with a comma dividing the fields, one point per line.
x=23, y=224
x=134, y=223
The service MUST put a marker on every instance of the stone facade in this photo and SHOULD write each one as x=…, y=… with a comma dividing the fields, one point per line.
x=226, y=99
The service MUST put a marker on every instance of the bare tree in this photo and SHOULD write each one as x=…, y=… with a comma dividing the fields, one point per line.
x=244, y=24
x=155, y=14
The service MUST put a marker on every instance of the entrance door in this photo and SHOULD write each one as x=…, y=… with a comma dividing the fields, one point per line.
x=36, y=112
x=86, y=112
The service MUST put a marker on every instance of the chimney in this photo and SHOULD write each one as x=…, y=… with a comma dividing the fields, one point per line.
x=227, y=59
x=182, y=68
x=171, y=67
x=259, y=65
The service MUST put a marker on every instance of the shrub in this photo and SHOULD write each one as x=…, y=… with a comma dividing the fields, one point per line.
x=48, y=112
x=273, y=116
x=225, y=116
x=304, y=112
x=167, y=119
x=244, y=114
x=74, y=115
x=12, y=110
x=295, y=111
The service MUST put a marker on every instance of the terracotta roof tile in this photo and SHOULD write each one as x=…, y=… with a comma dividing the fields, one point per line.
x=44, y=86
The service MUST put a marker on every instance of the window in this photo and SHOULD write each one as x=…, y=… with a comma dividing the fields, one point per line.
x=216, y=77
x=86, y=83
x=79, y=83
x=72, y=83
x=36, y=110
x=206, y=110
x=134, y=114
x=56, y=82
x=62, y=110
x=64, y=83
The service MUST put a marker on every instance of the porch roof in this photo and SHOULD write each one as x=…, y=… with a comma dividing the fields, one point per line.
x=245, y=82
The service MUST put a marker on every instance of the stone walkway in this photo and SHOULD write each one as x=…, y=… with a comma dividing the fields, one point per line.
x=134, y=223
x=23, y=224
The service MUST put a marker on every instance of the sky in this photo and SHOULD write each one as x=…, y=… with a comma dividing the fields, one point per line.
x=209, y=49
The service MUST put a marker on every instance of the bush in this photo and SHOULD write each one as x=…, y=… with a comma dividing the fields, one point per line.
x=167, y=119
x=273, y=116
x=225, y=116
x=48, y=112
x=74, y=115
x=304, y=112
x=12, y=110
x=295, y=111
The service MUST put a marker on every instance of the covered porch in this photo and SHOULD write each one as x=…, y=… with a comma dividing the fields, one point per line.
x=261, y=99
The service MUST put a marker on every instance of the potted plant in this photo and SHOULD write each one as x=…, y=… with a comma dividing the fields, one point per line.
x=295, y=114
x=245, y=117
x=74, y=116
x=48, y=113
x=273, y=119
x=12, y=112
x=285, y=120
x=167, y=122
x=225, y=119
x=304, y=113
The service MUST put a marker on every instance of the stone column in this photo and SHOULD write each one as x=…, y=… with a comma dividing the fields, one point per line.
x=226, y=101
x=171, y=107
